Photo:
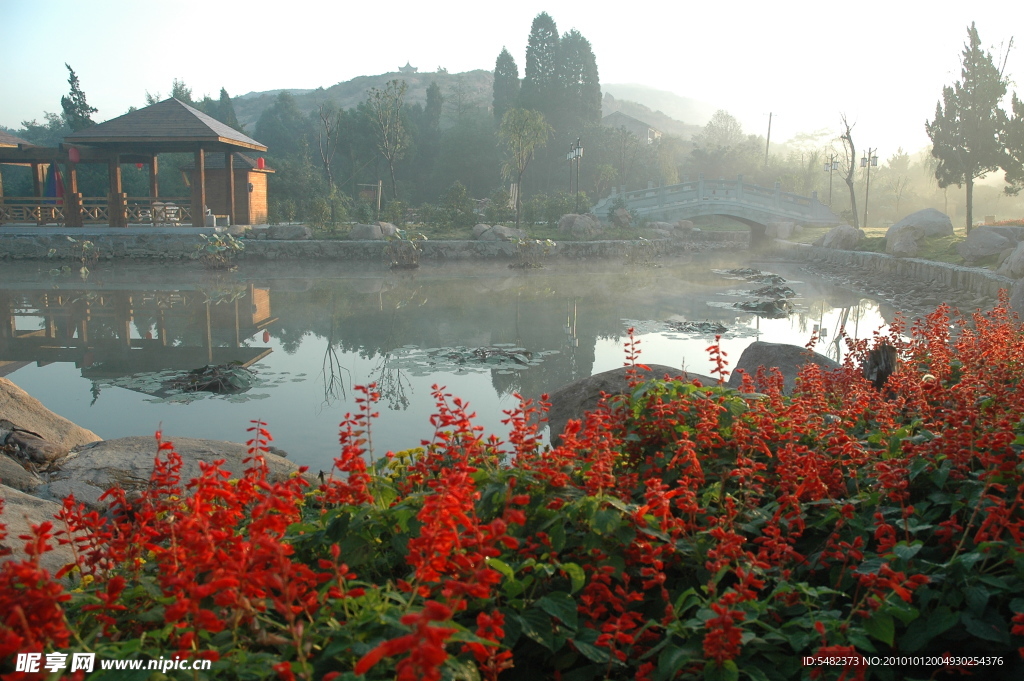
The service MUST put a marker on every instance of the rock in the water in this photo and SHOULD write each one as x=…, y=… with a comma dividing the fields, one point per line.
x=128, y=462
x=928, y=222
x=19, y=410
x=574, y=400
x=579, y=226
x=366, y=233
x=21, y=512
x=903, y=244
x=842, y=237
x=290, y=232
x=13, y=474
x=788, y=359
x=983, y=242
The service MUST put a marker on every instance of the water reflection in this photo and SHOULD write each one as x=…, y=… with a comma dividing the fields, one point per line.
x=96, y=352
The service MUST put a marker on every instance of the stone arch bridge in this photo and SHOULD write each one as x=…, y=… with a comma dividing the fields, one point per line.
x=748, y=203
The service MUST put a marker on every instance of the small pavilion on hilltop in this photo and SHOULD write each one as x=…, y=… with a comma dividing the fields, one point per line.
x=170, y=126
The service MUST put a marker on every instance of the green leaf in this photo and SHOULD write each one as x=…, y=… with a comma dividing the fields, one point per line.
x=502, y=567
x=674, y=658
x=606, y=521
x=977, y=598
x=881, y=626
x=990, y=628
x=905, y=551
x=557, y=536
x=592, y=652
x=561, y=605
x=727, y=671
x=536, y=626
x=576, y=575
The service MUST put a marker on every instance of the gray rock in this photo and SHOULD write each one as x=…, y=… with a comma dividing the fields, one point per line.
x=579, y=226
x=387, y=229
x=290, y=232
x=620, y=217
x=502, y=233
x=788, y=359
x=20, y=410
x=128, y=462
x=684, y=225
x=574, y=400
x=479, y=229
x=366, y=233
x=929, y=222
x=1012, y=232
x=21, y=512
x=13, y=474
x=1013, y=266
x=1017, y=298
x=842, y=237
x=903, y=244
x=983, y=242
x=666, y=227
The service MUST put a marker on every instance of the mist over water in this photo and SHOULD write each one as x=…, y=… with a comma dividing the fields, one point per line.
x=313, y=332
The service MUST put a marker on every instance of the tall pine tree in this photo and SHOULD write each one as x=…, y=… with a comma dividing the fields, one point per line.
x=226, y=111
x=965, y=131
x=540, y=82
x=506, y=84
x=77, y=112
x=579, y=85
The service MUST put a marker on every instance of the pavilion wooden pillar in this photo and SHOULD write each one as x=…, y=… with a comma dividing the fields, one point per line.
x=229, y=166
x=37, y=188
x=199, y=190
x=72, y=198
x=117, y=202
x=154, y=178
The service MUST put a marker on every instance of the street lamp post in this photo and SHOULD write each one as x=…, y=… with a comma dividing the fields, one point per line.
x=831, y=165
x=866, y=162
x=575, y=154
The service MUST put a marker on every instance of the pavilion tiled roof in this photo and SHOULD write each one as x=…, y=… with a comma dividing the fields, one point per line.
x=170, y=122
x=9, y=140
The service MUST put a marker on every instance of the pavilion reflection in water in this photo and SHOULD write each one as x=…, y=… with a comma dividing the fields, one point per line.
x=180, y=329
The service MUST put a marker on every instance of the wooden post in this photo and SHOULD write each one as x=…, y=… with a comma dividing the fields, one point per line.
x=229, y=165
x=199, y=190
x=154, y=178
x=72, y=198
x=37, y=189
x=115, y=199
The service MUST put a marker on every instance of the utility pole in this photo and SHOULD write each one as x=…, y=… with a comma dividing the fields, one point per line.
x=830, y=165
x=866, y=162
x=769, y=141
x=575, y=154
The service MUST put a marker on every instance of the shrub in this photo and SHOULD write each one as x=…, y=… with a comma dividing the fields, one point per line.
x=679, y=532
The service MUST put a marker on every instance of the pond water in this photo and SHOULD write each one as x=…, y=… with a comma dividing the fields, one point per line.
x=106, y=352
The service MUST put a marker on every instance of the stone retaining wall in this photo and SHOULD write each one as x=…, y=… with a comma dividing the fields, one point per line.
x=974, y=279
x=164, y=246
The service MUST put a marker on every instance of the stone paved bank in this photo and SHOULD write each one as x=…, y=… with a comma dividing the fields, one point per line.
x=169, y=246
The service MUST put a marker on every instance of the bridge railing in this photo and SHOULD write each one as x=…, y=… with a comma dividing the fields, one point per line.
x=705, y=196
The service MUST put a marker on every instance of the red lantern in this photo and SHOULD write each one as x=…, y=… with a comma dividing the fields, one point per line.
x=261, y=163
x=149, y=335
x=266, y=336
x=139, y=165
x=74, y=155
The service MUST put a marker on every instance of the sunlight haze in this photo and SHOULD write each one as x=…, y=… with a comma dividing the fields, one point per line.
x=882, y=63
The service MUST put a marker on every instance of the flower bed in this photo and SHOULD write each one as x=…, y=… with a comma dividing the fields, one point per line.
x=679, y=532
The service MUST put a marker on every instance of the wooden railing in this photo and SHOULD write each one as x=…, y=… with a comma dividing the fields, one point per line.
x=43, y=211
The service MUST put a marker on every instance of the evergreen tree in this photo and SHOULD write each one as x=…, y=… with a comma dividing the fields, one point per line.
x=77, y=112
x=965, y=131
x=1011, y=136
x=506, y=84
x=226, y=111
x=181, y=92
x=540, y=84
x=580, y=87
x=435, y=104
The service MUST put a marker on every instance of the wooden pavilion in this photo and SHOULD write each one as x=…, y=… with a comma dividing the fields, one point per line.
x=170, y=126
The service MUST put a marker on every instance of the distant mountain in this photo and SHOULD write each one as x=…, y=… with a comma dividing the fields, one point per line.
x=664, y=110
x=475, y=88
x=684, y=109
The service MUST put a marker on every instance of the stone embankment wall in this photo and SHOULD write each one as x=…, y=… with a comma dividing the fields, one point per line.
x=164, y=246
x=974, y=279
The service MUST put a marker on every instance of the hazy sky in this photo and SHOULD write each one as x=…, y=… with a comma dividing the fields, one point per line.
x=883, y=63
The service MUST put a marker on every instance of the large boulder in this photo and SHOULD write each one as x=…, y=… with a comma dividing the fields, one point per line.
x=903, y=245
x=479, y=229
x=685, y=225
x=387, y=229
x=842, y=237
x=14, y=474
x=1017, y=298
x=128, y=462
x=366, y=233
x=501, y=233
x=788, y=359
x=983, y=242
x=579, y=226
x=20, y=412
x=21, y=511
x=620, y=217
x=289, y=232
x=1013, y=265
x=928, y=222
x=574, y=400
